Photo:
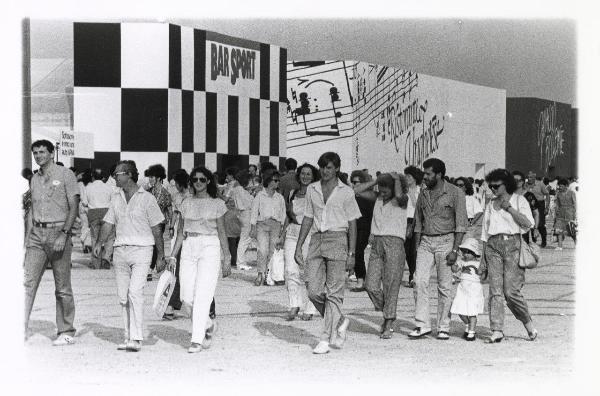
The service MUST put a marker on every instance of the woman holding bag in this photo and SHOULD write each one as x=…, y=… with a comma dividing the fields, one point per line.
x=294, y=275
x=506, y=217
x=204, y=250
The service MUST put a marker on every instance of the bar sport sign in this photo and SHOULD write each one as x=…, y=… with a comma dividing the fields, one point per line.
x=232, y=69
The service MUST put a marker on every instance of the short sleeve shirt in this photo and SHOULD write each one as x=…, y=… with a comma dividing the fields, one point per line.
x=200, y=214
x=336, y=213
x=134, y=219
x=50, y=193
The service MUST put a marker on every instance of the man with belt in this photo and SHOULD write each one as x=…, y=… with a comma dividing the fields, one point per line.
x=331, y=212
x=98, y=196
x=55, y=203
x=542, y=196
x=137, y=218
x=440, y=224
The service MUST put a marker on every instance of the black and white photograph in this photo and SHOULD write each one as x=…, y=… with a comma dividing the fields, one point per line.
x=297, y=198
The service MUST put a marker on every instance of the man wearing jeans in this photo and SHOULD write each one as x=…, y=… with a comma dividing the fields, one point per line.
x=331, y=212
x=137, y=218
x=55, y=203
x=440, y=224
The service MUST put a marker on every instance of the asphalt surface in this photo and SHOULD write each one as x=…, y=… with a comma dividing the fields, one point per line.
x=255, y=345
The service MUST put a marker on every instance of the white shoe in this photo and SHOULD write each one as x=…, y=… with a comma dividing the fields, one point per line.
x=63, y=339
x=195, y=348
x=134, y=346
x=122, y=346
x=244, y=267
x=321, y=348
x=558, y=248
x=341, y=334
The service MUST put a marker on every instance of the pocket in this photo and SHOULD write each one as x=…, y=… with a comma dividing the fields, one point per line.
x=335, y=247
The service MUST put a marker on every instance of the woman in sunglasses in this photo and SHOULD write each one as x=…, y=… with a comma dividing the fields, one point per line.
x=204, y=249
x=506, y=217
x=266, y=219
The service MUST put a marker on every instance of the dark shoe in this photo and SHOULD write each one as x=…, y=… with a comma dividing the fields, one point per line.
x=292, y=314
x=419, y=333
x=105, y=264
x=259, y=279
x=149, y=278
x=533, y=335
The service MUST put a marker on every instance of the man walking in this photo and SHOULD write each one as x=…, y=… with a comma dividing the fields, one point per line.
x=55, y=203
x=98, y=196
x=440, y=224
x=137, y=218
x=288, y=181
x=539, y=189
x=331, y=212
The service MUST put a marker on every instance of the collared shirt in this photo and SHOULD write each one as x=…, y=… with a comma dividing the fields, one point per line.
x=200, y=214
x=336, y=213
x=242, y=198
x=388, y=220
x=265, y=207
x=50, y=192
x=410, y=206
x=501, y=222
x=473, y=206
x=288, y=183
x=98, y=194
x=134, y=219
x=443, y=214
x=538, y=189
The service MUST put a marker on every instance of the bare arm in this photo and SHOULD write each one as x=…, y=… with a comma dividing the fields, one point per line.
x=307, y=223
x=226, y=260
x=105, y=231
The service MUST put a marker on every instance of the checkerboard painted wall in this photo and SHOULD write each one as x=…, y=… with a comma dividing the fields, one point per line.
x=182, y=97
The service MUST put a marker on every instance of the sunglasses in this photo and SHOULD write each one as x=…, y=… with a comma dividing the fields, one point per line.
x=119, y=173
x=495, y=186
x=355, y=181
x=199, y=179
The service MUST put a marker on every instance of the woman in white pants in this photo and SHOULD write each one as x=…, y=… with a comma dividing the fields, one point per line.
x=294, y=275
x=243, y=203
x=204, y=249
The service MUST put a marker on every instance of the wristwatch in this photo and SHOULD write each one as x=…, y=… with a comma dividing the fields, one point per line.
x=351, y=254
x=66, y=232
x=456, y=250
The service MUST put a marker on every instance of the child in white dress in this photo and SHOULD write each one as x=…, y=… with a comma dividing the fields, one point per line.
x=468, y=301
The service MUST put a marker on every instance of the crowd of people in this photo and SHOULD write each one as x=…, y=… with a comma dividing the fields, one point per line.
x=332, y=228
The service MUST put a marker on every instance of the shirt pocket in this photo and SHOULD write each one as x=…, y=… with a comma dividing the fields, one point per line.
x=446, y=207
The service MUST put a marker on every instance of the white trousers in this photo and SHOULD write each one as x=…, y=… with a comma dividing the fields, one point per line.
x=131, y=268
x=244, y=217
x=295, y=279
x=198, y=275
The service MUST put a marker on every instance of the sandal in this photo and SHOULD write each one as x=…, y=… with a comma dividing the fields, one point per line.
x=306, y=317
x=259, y=279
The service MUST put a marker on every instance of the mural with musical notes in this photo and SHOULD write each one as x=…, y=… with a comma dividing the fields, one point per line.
x=384, y=118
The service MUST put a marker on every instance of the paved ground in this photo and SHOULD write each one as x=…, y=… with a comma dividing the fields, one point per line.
x=255, y=344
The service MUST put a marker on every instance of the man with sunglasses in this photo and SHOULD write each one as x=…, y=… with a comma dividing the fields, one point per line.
x=136, y=216
x=440, y=224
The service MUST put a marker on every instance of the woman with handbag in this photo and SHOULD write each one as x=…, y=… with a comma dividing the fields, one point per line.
x=266, y=219
x=204, y=249
x=294, y=275
x=506, y=217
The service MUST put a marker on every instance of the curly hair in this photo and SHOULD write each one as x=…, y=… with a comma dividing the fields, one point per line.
x=505, y=177
x=157, y=171
x=415, y=172
x=468, y=185
x=211, y=187
x=315, y=172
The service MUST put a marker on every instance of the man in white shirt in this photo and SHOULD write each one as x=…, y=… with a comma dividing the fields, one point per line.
x=331, y=212
x=136, y=216
x=98, y=196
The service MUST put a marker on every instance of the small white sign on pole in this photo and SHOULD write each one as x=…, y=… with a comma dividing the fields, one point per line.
x=67, y=145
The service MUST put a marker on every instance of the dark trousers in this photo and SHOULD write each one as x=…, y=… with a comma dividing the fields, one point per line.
x=410, y=249
x=362, y=240
x=233, y=245
x=154, y=251
x=541, y=207
x=175, y=301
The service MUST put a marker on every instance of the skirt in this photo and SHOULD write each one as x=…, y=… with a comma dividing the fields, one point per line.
x=468, y=300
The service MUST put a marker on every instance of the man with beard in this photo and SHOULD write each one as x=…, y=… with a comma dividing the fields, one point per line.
x=440, y=224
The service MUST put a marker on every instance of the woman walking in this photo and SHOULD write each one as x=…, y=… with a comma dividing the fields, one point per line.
x=566, y=212
x=266, y=219
x=386, y=263
x=294, y=275
x=414, y=178
x=506, y=217
x=365, y=198
x=156, y=174
x=204, y=249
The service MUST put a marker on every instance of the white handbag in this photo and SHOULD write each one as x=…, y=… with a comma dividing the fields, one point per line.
x=276, y=267
x=164, y=290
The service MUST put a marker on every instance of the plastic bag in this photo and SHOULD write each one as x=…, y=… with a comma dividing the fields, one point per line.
x=164, y=290
x=367, y=255
x=276, y=267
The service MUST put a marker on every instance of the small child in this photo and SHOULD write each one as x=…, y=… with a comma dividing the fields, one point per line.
x=468, y=301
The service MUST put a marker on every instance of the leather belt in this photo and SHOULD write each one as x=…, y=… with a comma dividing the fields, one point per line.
x=48, y=224
x=438, y=235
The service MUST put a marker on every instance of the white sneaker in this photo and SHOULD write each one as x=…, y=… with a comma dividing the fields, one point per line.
x=195, y=348
x=558, y=248
x=244, y=267
x=321, y=348
x=122, y=346
x=134, y=346
x=63, y=339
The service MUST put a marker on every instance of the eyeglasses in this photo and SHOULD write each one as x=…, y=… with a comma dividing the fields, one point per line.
x=355, y=181
x=119, y=173
x=199, y=179
x=495, y=186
